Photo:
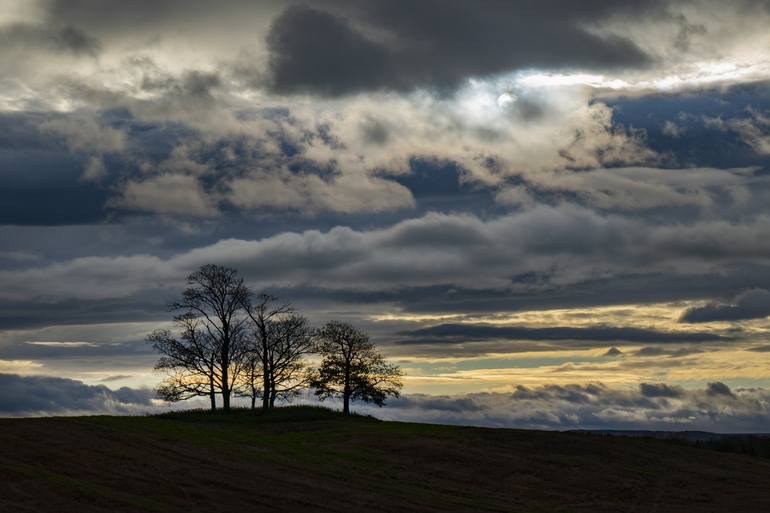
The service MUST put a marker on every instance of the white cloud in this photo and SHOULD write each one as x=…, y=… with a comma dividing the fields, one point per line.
x=167, y=194
x=566, y=244
x=346, y=193
x=638, y=188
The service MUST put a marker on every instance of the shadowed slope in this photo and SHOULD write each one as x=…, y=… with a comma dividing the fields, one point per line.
x=306, y=459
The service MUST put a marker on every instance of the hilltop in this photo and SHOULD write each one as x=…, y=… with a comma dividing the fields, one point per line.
x=310, y=459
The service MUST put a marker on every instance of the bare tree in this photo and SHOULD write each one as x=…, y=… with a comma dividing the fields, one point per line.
x=190, y=361
x=292, y=339
x=352, y=368
x=264, y=312
x=215, y=296
x=251, y=377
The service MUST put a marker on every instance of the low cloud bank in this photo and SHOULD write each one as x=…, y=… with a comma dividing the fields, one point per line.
x=24, y=396
x=654, y=406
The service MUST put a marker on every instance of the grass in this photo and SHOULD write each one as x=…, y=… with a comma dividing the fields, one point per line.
x=314, y=459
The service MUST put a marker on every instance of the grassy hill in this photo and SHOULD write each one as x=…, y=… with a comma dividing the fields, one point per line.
x=310, y=459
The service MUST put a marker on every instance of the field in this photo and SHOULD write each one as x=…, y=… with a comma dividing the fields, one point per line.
x=310, y=459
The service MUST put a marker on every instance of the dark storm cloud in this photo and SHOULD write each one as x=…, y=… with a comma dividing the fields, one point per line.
x=751, y=304
x=401, y=45
x=459, y=333
x=315, y=51
x=42, y=395
x=51, y=38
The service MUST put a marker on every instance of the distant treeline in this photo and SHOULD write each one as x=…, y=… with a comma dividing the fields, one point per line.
x=757, y=445
x=228, y=341
x=751, y=445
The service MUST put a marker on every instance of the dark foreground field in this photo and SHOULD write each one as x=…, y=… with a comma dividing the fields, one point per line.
x=302, y=459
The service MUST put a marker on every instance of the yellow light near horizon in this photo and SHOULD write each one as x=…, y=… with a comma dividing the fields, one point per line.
x=654, y=315
x=724, y=365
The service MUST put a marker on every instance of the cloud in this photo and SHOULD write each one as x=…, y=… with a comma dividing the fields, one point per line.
x=167, y=194
x=80, y=278
x=18, y=256
x=658, y=351
x=47, y=37
x=85, y=133
x=753, y=128
x=671, y=129
x=399, y=46
x=719, y=389
x=750, y=304
x=653, y=406
x=116, y=377
x=461, y=333
x=635, y=189
x=60, y=343
x=315, y=51
x=310, y=193
x=755, y=131
x=565, y=246
x=95, y=169
x=337, y=47
x=660, y=390
x=88, y=136
x=42, y=395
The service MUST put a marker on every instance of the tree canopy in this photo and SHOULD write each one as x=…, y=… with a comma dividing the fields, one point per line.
x=209, y=354
x=352, y=368
x=227, y=341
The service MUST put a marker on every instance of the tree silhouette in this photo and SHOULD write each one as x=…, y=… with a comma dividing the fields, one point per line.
x=213, y=299
x=252, y=379
x=264, y=312
x=352, y=368
x=287, y=373
x=191, y=361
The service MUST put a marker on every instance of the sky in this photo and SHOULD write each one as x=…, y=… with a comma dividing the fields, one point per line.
x=550, y=214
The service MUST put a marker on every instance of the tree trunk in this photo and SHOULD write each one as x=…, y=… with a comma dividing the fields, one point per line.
x=265, y=381
x=212, y=395
x=346, y=392
x=225, y=390
x=225, y=369
x=225, y=399
x=272, y=397
x=253, y=399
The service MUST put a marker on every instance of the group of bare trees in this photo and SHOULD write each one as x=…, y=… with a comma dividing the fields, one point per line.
x=229, y=342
